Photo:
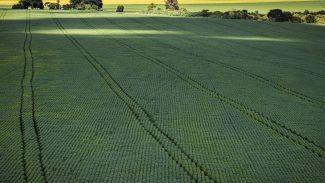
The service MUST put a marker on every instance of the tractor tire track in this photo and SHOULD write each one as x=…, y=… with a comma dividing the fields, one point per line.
x=21, y=121
x=273, y=125
x=27, y=93
x=166, y=142
x=2, y=16
x=270, y=52
x=246, y=73
x=2, y=19
x=35, y=122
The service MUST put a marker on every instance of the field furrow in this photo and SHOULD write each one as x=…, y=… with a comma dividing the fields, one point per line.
x=176, y=153
x=260, y=50
x=279, y=128
x=99, y=96
x=293, y=104
x=260, y=78
x=32, y=158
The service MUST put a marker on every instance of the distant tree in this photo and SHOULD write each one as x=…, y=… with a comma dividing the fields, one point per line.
x=75, y=2
x=24, y=4
x=275, y=15
x=120, y=8
x=98, y=3
x=151, y=6
x=171, y=4
x=310, y=18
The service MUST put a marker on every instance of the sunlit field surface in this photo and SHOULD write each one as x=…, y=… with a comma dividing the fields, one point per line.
x=107, y=97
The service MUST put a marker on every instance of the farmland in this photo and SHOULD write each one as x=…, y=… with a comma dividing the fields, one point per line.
x=107, y=97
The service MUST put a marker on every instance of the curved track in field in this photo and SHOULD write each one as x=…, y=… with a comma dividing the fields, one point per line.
x=165, y=141
x=2, y=17
x=27, y=79
x=275, y=126
x=21, y=122
x=244, y=72
x=261, y=50
x=35, y=122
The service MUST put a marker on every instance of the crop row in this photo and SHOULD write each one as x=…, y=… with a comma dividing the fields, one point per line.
x=166, y=142
x=277, y=127
x=244, y=72
x=242, y=44
x=262, y=50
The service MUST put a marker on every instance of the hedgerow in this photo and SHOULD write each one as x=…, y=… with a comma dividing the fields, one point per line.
x=274, y=15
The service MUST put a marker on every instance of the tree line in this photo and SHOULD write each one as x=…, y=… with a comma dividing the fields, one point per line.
x=78, y=4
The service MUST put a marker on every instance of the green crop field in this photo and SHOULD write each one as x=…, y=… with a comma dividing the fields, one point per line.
x=107, y=97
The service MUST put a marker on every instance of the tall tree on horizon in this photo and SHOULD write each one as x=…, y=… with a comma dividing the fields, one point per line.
x=31, y=3
x=171, y=4
x=98, y=3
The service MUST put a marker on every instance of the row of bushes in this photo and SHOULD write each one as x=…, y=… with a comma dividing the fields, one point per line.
x=25, y=4
x=81, y=6
x=75, y=4
x=275, y=15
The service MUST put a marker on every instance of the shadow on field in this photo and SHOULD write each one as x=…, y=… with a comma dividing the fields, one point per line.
x=202, y=27
x=203, y=33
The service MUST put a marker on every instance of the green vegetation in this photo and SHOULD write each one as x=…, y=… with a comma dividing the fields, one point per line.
x=89, y=96
x=274, y=15
x=86, y=4
x=24, y=4
x=171, y=4
x=120, y=8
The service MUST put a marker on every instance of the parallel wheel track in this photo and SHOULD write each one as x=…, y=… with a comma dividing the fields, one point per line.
x=166, y=142
x=253, y=48
x=2, y=16
x=28, y=55
x=275, y=126
x=257, y=77
x=21, y=122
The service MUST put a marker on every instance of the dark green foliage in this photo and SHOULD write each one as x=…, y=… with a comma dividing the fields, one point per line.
x=310, y=18
x=151, y=6
x=275, y=15
x=120, y=8
x=53, y=6
x=297, y=18
x=287, y=16
x=236, y=14
x=67, y=6
x=171, y=5
x=24, y=4
x=217, y=14
x=86, y=4
x=306, y=12
x=243, y=14
x=75, y=2
x=205, y=13
x=322, y=12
